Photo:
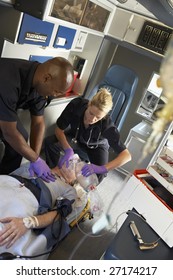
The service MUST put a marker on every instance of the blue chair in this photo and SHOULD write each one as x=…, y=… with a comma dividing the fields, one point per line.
x=121, y=82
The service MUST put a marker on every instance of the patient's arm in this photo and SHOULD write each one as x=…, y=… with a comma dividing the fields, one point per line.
x=14, y=227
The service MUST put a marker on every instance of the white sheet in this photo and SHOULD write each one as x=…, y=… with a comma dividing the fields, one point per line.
x=17, y=200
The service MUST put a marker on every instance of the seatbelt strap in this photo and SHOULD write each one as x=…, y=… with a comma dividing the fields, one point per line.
x=30, y=184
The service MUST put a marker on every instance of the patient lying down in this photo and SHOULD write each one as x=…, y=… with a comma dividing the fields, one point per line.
x=30, y=224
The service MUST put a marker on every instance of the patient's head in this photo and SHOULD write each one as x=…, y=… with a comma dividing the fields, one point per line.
x=72, y=174
x=67, y=173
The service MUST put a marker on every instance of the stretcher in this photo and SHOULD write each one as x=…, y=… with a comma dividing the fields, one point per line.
x=85, y=214
x=23, y=203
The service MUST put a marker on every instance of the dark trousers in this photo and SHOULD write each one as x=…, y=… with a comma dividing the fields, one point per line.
x=98, y=156
x=11, y=160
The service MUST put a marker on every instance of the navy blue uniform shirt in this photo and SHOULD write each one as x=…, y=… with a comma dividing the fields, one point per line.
x=101, y=133
x=16, y=91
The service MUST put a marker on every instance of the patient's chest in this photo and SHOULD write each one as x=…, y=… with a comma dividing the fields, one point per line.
x=15, y=198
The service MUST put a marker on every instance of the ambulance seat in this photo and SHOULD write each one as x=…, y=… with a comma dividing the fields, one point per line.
x=121, y=81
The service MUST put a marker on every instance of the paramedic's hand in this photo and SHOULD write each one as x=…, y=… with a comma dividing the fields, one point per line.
x=42, y=170
x=89, y=169
x=68, y=154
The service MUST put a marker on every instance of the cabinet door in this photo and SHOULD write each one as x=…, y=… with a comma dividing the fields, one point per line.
x=119, y=24
x=95, y=17
x=90, y=14
x=35, y=31
x=64, y=38
x=81, y=39
x=157, y=215
x=71, y=11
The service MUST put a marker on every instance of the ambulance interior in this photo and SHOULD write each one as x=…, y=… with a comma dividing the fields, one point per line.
x=137, y=220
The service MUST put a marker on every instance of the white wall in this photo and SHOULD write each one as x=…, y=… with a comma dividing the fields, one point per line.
x=52, y=112
x=89, y=53
x=25, y=50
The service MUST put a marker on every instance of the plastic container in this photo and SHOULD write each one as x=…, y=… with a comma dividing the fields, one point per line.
x=85, y=182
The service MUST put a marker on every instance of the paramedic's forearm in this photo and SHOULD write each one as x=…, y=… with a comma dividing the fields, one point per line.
x=17, y=141
x=60, y=135
x=37, y=133
x=120, y=160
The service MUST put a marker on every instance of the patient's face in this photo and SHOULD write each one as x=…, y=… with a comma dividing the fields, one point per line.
x=67, y=174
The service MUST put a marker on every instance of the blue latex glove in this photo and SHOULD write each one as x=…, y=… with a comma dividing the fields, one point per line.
x=89, y=169
x=68, y=153
x=42, y=170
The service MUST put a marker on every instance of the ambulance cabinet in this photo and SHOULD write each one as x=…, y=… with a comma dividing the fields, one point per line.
x=35, y=31
x=64, y=37
x=153, y=195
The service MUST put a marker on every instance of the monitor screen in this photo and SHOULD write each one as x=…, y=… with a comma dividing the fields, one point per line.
x=152, y=100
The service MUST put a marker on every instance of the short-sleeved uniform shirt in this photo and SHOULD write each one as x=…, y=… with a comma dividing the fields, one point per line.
x=16, y=91
x=101, y=133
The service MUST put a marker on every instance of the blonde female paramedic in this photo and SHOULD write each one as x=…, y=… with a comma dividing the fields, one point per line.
x=85, y=127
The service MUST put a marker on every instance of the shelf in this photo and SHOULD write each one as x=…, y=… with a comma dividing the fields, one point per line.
x=161, y=177
x=166, y=162
x=156, y=187
x=169, y=152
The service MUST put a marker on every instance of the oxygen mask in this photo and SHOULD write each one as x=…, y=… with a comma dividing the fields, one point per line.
x=85, y=182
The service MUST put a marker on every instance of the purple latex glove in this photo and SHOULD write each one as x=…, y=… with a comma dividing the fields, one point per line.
x=42, y=170
x=68, y=153
x=89, y=169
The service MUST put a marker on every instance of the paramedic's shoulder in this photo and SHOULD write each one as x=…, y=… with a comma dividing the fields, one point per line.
x=75, y=107
x=77, y=102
